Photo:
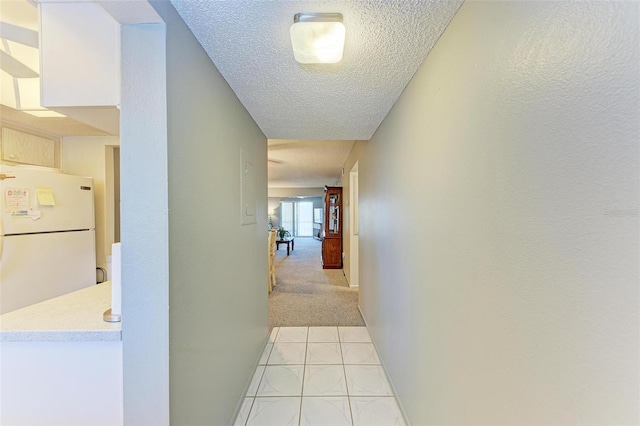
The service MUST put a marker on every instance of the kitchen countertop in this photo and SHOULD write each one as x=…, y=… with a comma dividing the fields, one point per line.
x=72, y=317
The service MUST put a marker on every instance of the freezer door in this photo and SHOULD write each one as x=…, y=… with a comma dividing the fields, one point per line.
x=34, y=268
x=72, y=195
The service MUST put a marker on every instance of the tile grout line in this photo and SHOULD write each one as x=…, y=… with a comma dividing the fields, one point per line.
x=250, y=408
x=304, y=372
x=346, y=384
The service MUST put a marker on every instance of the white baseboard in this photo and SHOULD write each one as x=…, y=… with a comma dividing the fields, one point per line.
x=386, y=371
x=246, y=387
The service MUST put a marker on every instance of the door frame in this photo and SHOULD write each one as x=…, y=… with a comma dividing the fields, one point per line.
x=354, y=245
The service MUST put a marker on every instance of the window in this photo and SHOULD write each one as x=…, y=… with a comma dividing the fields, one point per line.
x=297, y=217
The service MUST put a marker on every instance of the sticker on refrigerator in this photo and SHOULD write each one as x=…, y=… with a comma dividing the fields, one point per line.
x=17, y=201
x=45, y=196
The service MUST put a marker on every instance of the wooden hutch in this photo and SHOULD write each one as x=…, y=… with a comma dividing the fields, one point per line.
x=332, y=232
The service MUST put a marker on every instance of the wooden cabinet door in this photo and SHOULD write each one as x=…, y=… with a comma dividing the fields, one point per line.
x=332, y=253
x=21, y=147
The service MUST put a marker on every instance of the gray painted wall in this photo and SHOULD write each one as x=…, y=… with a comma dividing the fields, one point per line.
x=499, y=220
x=218, y=268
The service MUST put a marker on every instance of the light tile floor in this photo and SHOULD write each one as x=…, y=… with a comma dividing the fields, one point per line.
x=320, y=376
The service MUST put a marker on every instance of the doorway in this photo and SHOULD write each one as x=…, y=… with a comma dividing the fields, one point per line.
x=354, y=274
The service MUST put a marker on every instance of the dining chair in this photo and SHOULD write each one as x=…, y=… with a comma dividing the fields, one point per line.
x=272, y=259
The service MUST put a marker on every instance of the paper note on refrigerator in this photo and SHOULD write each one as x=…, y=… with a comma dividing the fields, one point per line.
x=17, y=201
x=45, y=196
x=35, y=214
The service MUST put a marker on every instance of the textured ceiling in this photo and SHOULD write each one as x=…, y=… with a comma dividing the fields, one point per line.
x=306, y=163
x=386, y=41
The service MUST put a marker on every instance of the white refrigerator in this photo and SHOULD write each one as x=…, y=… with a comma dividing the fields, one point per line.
x=47, y=235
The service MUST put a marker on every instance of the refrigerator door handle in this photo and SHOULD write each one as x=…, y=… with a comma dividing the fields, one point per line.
x=1, y=237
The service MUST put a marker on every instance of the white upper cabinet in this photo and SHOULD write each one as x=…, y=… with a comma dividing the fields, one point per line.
x=79, y=55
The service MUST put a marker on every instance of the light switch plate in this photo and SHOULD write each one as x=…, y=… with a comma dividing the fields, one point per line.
x=247, y=188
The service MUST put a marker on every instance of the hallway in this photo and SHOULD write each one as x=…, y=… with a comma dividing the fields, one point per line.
x=307, y=295
x=499, y=203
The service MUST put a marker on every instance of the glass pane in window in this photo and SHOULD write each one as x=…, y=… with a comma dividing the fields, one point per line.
x=287, y=216
x=304, y=219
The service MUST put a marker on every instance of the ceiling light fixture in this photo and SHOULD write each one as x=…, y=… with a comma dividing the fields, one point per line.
x=317, y=38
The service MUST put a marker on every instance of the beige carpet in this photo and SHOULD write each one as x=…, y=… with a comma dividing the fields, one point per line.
x=306, y=294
